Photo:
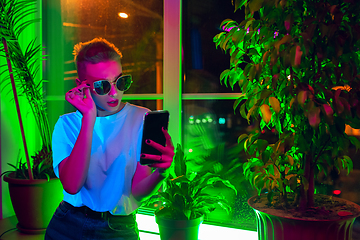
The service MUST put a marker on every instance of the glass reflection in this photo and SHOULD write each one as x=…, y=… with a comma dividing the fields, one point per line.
x=138, y=36
x=210, y=132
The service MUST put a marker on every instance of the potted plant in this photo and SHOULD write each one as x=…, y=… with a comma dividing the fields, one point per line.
x=183, y=201
x=34, y=189
x=296, y=62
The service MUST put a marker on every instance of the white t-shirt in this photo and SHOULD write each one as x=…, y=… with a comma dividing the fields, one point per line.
x=115, y=151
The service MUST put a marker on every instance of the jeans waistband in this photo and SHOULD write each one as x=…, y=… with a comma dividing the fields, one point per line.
x=93, y=214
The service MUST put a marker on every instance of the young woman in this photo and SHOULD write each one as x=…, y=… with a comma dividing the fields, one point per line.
x=96, y=152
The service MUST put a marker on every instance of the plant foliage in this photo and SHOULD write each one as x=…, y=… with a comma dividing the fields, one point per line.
x=225, y=162
x=25, y=65
x=183, y=197
x=296, y=62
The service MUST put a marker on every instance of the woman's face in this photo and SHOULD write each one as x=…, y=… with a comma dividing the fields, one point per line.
x=110, y=103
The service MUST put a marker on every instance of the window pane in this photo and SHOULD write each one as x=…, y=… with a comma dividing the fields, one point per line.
x=138, y=37
x=150, y=104
x=210, y=132
x=203, y=63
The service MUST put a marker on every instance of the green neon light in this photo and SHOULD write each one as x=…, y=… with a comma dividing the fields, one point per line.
x=221, y=120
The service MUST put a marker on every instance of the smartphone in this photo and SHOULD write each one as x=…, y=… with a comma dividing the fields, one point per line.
x=154, y=121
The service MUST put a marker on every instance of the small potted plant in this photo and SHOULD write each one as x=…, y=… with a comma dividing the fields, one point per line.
x=34, y=189
x=183, y=201
x=296, y=63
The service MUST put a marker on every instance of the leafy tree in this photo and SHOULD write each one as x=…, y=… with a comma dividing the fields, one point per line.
x=296, y=62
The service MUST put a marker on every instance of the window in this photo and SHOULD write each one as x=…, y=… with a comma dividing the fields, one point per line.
x=210, y=127
x=135, y=27
x=185, y=82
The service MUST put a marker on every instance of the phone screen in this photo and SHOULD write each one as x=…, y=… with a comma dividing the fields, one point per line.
x=153, y=122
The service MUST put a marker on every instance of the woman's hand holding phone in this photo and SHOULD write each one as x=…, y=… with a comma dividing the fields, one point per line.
x=164, y=160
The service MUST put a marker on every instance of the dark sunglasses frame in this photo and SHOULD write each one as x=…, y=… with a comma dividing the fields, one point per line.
x=123, y=85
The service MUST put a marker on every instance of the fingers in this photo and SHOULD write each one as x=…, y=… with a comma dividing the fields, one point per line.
x=82, y=87
x=87, y=93
x=166, y=159
x=155, y=145
x=78, y=92
x=167, y=137
x=163, y=161
x=70, y=95
x=167, y=149
x=157, y=158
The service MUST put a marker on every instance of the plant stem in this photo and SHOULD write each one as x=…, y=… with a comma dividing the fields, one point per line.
x=322, y=149
x=18, y=109
x=310, y=200
x=307, y=197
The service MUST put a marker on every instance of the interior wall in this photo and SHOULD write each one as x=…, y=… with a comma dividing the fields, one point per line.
x=53, y=67
x=11, y=144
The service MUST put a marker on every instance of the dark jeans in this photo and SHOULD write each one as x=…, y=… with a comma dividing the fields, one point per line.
x=67, y=224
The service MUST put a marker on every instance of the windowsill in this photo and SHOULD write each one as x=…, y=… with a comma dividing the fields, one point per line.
x=207, y=231
x=148, y=230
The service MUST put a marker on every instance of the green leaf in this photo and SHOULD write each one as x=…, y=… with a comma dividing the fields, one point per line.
x=224, y=76
x=242, y=137
x=239, y=4
x=275, y=104
x=253, y=51
x=355, y=142
x=180, y=179
x=259, y=184
x=252, y=138
x=238, y=37
x=265, y=93
x=348, y=163
x=242, y=111
x=261, y=145
x=179, y=161
x=270, y=196
x=293, y=183
x=255, y=5
x=228, y=23
x=265, y=156
x=213, y=180
x=242, y=97
x=12, y=166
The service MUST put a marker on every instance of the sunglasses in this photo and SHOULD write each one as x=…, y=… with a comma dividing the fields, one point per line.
x=103, y=87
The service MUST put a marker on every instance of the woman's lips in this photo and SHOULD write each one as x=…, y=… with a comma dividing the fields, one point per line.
x=113, y=103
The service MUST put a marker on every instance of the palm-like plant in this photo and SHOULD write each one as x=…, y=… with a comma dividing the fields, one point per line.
x=23, y=66
x=183, y=197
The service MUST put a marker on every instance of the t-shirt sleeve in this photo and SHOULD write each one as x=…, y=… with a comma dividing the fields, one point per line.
x=61, y=144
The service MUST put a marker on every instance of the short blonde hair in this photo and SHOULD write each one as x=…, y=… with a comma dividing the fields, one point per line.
x=95, y=51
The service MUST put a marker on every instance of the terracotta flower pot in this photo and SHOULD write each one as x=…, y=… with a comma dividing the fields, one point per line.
x=277, y=227
x=178, y=229
x=34, y=202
